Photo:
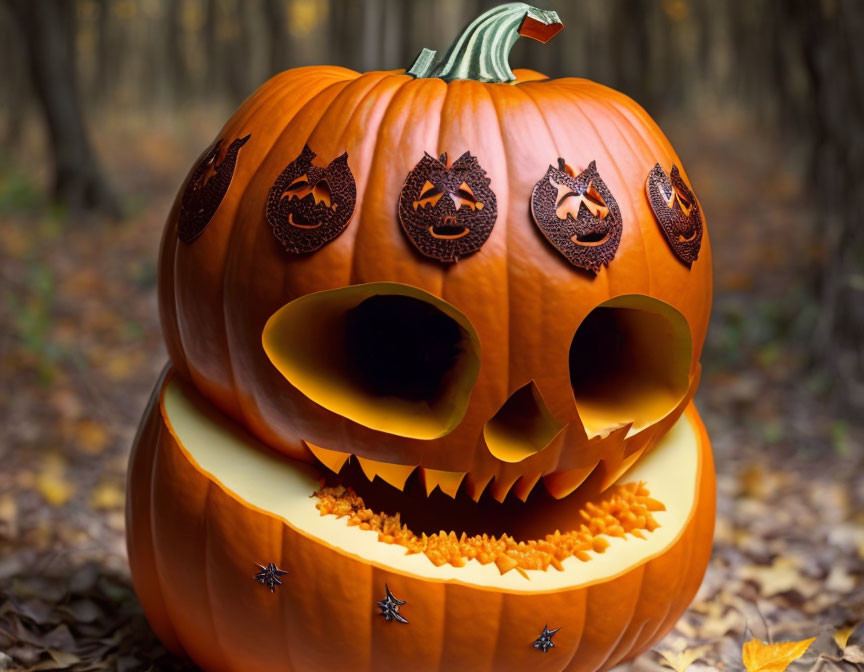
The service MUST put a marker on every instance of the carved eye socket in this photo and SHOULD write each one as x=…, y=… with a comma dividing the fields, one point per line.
x=684, y=203
x=429, y=196
x=464, y=197
x=321, y=193
x=298, y=188
x=594, y=202
x=569, y=201
x=387, y=356
x=629, y=363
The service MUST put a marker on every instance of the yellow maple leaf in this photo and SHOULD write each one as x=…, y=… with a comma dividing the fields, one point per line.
x=842, y=635
x=761, y=657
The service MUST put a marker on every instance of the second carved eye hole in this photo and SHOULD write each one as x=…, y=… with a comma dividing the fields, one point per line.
x=629, y=363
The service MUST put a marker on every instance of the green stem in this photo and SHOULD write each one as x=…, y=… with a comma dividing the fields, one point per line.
x=482, y=50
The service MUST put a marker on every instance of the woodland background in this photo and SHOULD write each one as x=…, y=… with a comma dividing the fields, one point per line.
x=105, y=104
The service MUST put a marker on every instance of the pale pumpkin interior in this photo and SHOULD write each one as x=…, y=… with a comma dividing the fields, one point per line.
x=629, y=364
x=256, y=475
x=385, y=355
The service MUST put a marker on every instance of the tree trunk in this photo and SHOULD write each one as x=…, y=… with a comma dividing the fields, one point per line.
x=835, y=65
x=278, y=51
x=178, y=72
x=47, y=28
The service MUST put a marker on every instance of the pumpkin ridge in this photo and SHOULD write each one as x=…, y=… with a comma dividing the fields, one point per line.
x=617, y=646
x=206, y=575
x=266, y=103
x=150, y=428
x=577, y=101
x=249, y=408
x=638, y=223
x=501, y=165
x=390, y=108
x=526, y=90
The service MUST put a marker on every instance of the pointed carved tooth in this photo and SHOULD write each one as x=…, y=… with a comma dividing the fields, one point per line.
x=394, y=474
x=332, y=459
x=562, y=483
x=501, y=486
x=475, y=486
x=612, y=473
x=525, y=485
x=446, y=481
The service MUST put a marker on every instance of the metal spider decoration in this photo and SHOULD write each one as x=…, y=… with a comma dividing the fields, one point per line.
x=389, y=607
x=544, y=641
x=269, y=576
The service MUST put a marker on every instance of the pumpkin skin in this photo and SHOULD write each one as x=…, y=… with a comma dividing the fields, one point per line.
x=192, y=543
x=522, y=297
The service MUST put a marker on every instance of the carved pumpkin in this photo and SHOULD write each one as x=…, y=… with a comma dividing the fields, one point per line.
x=443, y=288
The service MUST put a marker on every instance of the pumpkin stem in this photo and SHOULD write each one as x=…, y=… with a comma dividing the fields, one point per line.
x=483, y=47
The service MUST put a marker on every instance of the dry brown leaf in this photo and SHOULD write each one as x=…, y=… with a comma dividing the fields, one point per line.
x=8, y=516
x=761, y=657
x=853, y=654
x=781, y=576
x=681, y=660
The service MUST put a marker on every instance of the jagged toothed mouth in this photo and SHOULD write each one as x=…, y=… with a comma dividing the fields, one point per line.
x=542, y=543
x=453, y=484
x=437, y=514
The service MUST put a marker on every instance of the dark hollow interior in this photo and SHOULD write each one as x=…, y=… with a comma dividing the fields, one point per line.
x=401, y=346
x=539, y=515
x=600, y=350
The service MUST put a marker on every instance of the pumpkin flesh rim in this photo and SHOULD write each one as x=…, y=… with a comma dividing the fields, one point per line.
x=264, y=480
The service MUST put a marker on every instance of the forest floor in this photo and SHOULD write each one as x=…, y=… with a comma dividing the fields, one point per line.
x=80, y=348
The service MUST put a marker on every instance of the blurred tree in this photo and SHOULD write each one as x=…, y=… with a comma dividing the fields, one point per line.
x=279, y=53
x=833, y=107
x=178, y=70
x=48, y=28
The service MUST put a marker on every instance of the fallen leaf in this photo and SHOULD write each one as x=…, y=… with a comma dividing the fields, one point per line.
x=681, y=660
x=761, y=657
x=63, y=658
x=842, y=635
x=8, y=516
x=51, y=481
x=854, y=654
x=90, y=436
x=107, y=496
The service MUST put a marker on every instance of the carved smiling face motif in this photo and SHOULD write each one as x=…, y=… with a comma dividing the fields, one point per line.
x=206, y=188
x=578, y=215
x=308, y=205
x=447, y=213
x=676, y=211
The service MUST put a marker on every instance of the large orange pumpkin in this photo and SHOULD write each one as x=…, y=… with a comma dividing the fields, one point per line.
x=517, y=301
x=454, y=283
x=207, y=502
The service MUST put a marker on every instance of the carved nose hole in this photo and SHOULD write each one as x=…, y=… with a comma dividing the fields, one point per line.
x=522, y=427
x=629, y=363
